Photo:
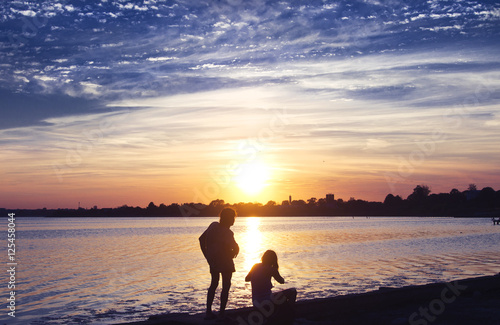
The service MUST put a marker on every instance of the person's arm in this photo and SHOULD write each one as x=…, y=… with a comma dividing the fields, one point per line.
x=234, y=247
x=277, y=276
x=249, y=275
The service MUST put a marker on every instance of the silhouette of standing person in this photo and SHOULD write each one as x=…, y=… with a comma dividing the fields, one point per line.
x=219, y=248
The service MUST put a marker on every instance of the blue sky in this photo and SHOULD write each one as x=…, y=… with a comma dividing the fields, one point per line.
x=126, y=102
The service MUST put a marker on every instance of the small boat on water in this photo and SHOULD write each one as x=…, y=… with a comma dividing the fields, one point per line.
x=496, y=221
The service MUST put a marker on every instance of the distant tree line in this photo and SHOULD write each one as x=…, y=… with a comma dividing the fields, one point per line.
x=471, y=202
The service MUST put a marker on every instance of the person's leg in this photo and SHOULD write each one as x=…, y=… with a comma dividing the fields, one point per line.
x=226, y=285
x=284, y=296
x=284, y=302
x=211, y=292
x=290, y=294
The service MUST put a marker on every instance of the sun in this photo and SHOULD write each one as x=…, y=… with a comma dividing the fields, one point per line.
x=252, y=178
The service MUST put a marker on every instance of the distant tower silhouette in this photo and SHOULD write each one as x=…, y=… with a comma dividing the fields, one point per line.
x=290, y=199
x=330, y=198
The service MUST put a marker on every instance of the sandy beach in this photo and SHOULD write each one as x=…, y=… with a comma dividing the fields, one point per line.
x=462, y=302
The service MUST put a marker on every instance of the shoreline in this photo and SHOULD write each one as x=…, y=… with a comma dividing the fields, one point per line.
x=467, y=301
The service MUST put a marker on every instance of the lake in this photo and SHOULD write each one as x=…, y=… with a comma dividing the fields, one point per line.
x=102, y=271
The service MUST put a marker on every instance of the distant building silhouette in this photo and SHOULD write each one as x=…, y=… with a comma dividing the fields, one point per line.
x=330, y=198
x=290, y=199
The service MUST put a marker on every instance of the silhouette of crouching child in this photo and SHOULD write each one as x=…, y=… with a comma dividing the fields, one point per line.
x=271, y=308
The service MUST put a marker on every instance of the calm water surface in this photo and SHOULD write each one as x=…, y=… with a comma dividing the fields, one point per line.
x=102, y=271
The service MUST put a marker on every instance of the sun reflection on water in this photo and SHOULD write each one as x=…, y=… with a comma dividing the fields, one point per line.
x=251, y=244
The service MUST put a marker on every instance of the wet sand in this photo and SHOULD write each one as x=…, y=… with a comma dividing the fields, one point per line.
x=463, y=302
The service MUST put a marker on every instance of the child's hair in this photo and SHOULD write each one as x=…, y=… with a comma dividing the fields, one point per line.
x=227, y=216
x=270, y=258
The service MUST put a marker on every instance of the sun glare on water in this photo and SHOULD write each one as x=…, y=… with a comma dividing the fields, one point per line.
x=251, y=244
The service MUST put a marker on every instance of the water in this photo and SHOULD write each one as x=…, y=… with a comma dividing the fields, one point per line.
x=103, y=271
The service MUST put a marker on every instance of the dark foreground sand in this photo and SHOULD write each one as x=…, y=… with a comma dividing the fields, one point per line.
x=474, y=301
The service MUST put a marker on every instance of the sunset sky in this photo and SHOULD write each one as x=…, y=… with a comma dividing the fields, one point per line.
x=125, y=102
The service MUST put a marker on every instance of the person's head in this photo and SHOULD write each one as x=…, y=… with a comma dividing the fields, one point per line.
x=227, y=216
x=270, y=258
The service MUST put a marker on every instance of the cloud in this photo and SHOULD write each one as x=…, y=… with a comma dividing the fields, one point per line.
x=218, y=35
x=20, y=110
x=28, y=13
